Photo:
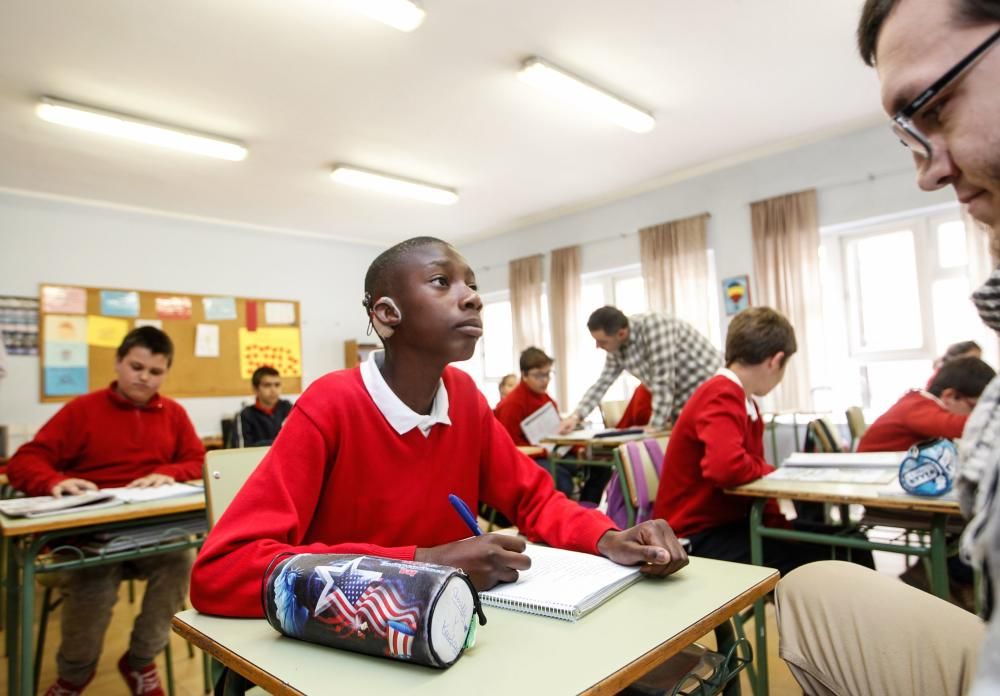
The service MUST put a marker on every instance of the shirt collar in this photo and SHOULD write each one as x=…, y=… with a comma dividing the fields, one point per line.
x=401, y=417
x=730, y=375
x=264, y=409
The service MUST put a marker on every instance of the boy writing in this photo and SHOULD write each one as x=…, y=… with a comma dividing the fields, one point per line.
x=377, y=449
x=940, y=411
x=258, y=425
x=126, y=434
x=718, y=443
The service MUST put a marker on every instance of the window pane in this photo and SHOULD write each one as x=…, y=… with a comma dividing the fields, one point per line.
x=497, y=340
x=951, y=244
x=887, y=381
x=630, y=295
x=889, y=301
x=955, y=317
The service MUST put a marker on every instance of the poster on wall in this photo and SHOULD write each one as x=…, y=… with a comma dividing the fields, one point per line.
x=19, y=325
x=736, y=294
x=277, y=347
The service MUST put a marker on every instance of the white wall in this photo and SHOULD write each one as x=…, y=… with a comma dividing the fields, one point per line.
x=69, y=243
x=857, y=176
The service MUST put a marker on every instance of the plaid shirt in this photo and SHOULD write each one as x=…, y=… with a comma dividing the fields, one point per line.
x=667, y=355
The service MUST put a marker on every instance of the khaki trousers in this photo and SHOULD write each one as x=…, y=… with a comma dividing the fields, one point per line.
x=845, y=630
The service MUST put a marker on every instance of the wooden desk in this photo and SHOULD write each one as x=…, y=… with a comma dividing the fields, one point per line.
x=846, y=494
x=27, y=538
x=515, y=653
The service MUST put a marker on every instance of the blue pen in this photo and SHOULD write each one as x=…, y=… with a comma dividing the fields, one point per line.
x=465, y=513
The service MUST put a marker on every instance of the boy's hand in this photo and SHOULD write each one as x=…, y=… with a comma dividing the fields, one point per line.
x=487, y=560
x=72, y=486
x=651, y=543
x=568, y=424
x=151, y=481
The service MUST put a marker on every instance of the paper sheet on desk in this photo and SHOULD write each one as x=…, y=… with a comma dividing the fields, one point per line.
x=832, y=475
x=843, y=460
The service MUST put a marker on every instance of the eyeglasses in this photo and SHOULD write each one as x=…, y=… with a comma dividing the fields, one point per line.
x=540, y=376
x=902, y=122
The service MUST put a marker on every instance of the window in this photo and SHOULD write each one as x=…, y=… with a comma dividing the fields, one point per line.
x=900, y=297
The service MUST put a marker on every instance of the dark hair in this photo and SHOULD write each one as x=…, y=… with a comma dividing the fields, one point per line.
x=875, y=12
x=956, y=350
x=262, y=372
x=534, y=357
x=608, y=319
x=967, y=376
x=378, y=279
x=150, y=338
x=757, y=334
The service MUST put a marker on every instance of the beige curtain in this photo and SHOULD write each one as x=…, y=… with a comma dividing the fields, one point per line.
x=786, y=270
x=675, y=269
x=564, y=308
x=526, y=303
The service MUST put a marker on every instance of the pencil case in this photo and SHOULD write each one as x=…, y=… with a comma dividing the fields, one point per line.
x=403, y=610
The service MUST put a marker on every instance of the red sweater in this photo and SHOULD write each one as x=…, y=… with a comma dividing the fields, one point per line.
x=520, y=403
x=714, y=445
x=639, y=409
x=339, y=479
x=917, y=416
x=104, y=438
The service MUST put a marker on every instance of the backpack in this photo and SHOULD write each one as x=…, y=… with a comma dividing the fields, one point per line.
x=642, y=476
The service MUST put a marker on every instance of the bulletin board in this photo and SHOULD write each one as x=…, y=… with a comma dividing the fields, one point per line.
x=218, y=340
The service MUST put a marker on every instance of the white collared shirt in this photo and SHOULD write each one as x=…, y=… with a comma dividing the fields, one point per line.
x=401, y=417
x=729, y=374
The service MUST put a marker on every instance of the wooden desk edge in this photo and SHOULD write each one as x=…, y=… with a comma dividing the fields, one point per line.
x=638, y=667
x=118, y=513
x=243, y=667
x=887, y=502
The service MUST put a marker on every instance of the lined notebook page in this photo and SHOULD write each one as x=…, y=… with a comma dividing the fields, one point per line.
x=562, y=584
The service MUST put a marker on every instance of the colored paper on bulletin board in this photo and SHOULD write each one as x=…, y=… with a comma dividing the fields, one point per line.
x=58, y=354
x=105, y=332
x=251, y=309
x=279, y=313
x=65, y=381
x=275, y=347
x=119, y=303
x=155, y=323
x=206, y=341
x=62, y=299
x=65, y=329
x=219, y=308
x=173, y=307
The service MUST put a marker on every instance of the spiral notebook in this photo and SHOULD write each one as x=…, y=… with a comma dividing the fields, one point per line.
x=562, y=584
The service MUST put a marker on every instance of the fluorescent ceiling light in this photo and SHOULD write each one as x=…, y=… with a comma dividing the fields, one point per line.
x=399, y=14
x=121, y=126
x=384, y=183
x=584, y=95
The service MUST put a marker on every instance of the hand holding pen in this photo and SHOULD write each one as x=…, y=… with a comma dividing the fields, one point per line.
x=487, y=559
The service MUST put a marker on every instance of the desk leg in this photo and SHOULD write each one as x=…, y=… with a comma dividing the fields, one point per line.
x=759, y=615
x=27, y=620
x=12, y=615
x=939, y=560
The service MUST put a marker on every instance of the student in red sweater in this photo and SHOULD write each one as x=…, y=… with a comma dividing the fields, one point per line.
x=125, y=435
x=639, y=409
x=368, y=456
x=940, y=411
x=718, y=443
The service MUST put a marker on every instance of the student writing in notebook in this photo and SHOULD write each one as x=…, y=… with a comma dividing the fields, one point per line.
x=366, y=460
x=258, y=424
x=718, y=443
x=126, y=434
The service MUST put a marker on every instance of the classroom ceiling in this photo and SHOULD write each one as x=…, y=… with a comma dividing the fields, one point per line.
x=309, y=83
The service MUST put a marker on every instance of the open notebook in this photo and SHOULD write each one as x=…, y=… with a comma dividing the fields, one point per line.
x=44, y=505
x=562, y=584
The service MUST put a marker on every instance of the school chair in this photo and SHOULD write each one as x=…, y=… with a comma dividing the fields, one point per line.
x=856, y=425
x=821, y=436
x=612, y=412
x=638, y=465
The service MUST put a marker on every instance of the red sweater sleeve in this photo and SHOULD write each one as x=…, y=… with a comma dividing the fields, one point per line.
x=727, y=463
x=281, y=497
x=35, y=468
x=190, y=454
x=929, y=419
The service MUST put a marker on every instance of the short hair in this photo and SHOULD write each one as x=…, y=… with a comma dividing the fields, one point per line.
x=378, y=279
x=262, y=372
x=967, y=376
x=608, y=319
x=956, y=350
x=757, y=334
x=150, y=338
x=875, y=12
x=532, y=358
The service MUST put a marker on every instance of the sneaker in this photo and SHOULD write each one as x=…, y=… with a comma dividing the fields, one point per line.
x=64, y=688
x=141, y=682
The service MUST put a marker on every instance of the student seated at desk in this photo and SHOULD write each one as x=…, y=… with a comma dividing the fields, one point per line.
x=257, y=425
x=129, y=435
x=639, y=409
x=718, y=443
x=507, y=385
x=368, y=457
x=940, y=411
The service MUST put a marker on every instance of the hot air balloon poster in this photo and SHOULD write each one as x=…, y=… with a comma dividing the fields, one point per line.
x=736, y=294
